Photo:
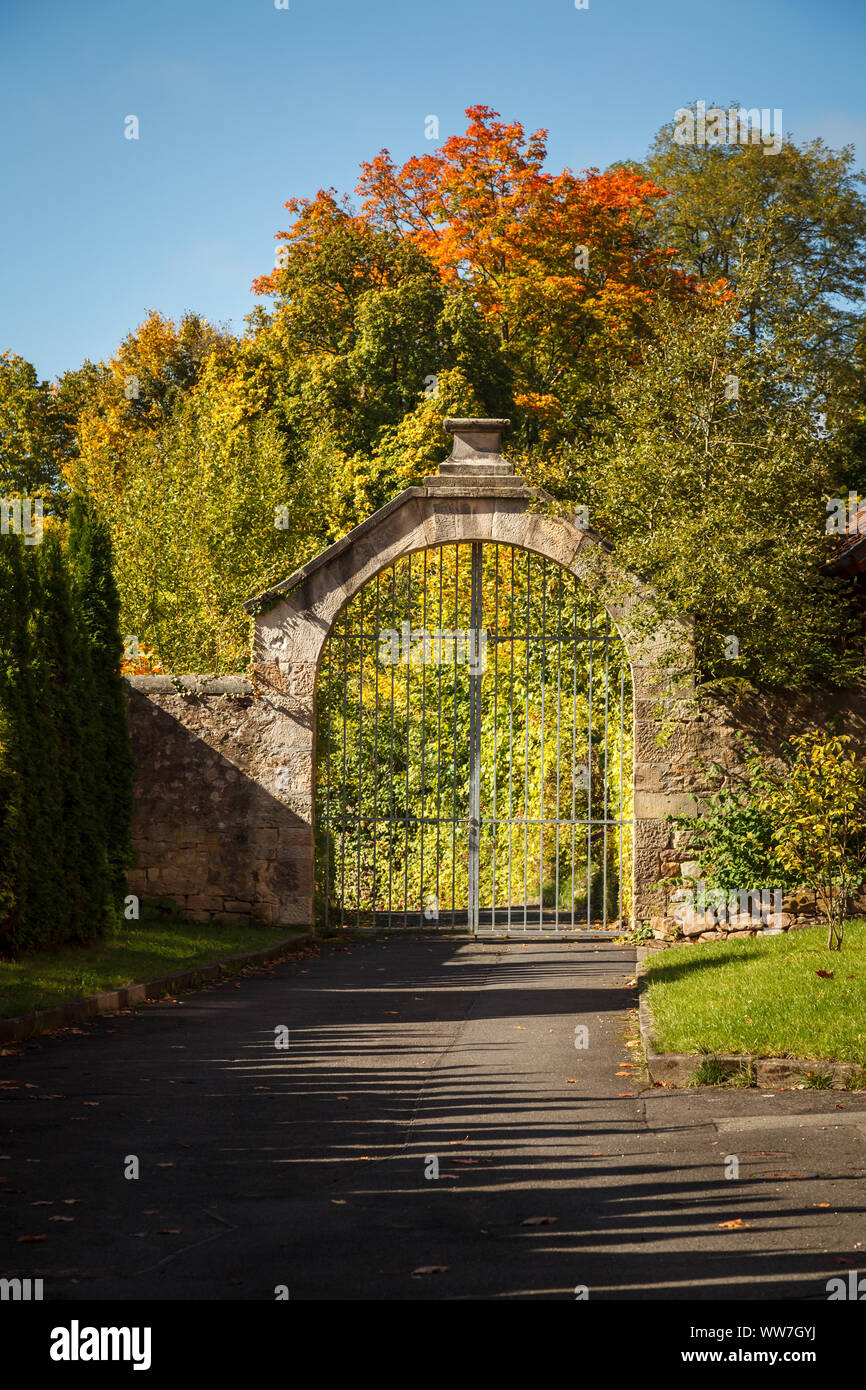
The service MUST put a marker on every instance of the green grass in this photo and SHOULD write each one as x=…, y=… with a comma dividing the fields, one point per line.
x=145, y=950
x=762, y=995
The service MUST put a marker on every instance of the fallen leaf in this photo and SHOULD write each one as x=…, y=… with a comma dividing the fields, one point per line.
x=784, y=1173
x=458, y=1159
x=170, y=1231
x=840, y=1260
x=820, y=1204
x=342, y=1097
x=91, y=1102
x=42, y=1204
x=428, y=1269
x=29, y=1240
x=572, y=1081
x=539, y=1221
x=731, y=1225
x=338, y=1201
x=70, y=1201
x=165, y=1165
x=61, y=1218
x=625, y=1093
x=825, y=974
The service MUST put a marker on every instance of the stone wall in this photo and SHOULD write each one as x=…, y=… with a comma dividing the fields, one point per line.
x=717, y=729
x=206, y=832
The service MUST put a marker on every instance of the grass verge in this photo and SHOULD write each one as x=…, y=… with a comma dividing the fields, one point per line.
x=156, y=945
x=763, y=995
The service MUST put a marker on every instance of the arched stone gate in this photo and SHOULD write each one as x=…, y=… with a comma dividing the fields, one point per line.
x=475, y=497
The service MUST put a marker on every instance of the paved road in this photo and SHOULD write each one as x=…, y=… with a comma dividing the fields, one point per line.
x=306, y=1167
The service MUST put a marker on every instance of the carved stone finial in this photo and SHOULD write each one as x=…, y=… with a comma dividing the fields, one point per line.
x=476, y=448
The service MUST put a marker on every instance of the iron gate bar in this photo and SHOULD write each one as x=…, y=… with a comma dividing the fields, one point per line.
x=454, y=778
x=495, y=720
x=510, y=739
x=439, y=748
x=558, y=763
x=408, y=669
x=375, y=761
x=604, y=782
x=541, y=774
x=423, y=729
x=589, y=790
x=343, y=843
x=621, y=741
x=573, y=766
x=526, y=763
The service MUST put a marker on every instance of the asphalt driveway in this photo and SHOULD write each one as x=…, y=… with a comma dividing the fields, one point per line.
x=312, y=1168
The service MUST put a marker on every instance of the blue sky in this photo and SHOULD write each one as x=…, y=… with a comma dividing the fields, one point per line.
x=242, y=106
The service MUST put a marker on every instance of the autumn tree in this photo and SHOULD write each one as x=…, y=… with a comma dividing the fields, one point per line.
x=34, y=439
x=800, y=208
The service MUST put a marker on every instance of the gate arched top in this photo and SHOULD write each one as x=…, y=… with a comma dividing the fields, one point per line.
x=474, y=497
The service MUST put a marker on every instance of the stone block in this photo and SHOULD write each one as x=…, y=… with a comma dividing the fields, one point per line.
x=207, y=902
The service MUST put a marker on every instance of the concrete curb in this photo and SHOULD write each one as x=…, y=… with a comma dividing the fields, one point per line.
x=110, y=1001
x=678, y=1068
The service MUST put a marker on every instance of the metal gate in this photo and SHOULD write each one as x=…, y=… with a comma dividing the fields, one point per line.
x=474, y=751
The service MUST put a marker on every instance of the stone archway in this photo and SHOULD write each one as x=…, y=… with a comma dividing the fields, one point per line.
x=475, y=496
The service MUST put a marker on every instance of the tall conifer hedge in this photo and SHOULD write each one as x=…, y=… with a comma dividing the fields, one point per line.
x=65, y=759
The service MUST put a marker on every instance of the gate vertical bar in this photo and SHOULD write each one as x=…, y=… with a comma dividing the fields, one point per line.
x=474, y=739
x=439, y=554
x=425, y=653
x=495, y=729
x=454, y=712
x=621, y=734
x=360, y=806
x=328, y=807
x=526, y=742
x=408, y=631
x=393, y=573
x=345, y=636
x=541, y=759
x=605, y=793
x=558, y=769
x=375, y=750
x=510, y=736
x=589, y=781
x=573, y=748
